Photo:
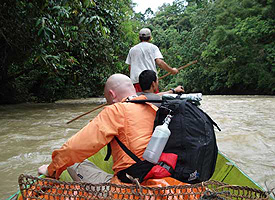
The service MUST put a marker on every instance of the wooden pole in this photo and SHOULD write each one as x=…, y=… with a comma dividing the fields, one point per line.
x=102, y=105
x=180, y=68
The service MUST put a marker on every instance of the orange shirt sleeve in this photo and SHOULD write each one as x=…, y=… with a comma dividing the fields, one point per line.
x=89, y=140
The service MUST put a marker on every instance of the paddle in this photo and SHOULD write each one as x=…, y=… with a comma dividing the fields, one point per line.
x=102, y=105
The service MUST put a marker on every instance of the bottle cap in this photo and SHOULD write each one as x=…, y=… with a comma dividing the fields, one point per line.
x=167, y=119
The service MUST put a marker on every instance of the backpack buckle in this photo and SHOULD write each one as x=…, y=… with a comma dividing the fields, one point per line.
x=167, y=167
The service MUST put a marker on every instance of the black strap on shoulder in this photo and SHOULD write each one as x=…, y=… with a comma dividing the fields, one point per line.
x=109, y=152
x=133, y=156
x=145, y=101
x=124, y=148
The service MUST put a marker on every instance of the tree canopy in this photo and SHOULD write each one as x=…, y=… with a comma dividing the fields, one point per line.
x=66, y=49
x=232, y=40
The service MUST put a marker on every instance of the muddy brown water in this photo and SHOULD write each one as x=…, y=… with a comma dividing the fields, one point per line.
x=30, y=132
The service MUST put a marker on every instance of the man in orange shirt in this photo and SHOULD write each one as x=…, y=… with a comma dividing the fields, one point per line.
x=131, y=123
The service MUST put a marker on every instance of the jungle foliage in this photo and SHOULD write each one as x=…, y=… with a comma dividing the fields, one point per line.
x=61, y=49
x=66, y=49
x=233, y=41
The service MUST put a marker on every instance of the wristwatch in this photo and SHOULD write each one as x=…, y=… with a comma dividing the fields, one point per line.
x=173, y=90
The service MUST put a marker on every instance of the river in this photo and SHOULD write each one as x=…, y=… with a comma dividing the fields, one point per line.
x=30, y=132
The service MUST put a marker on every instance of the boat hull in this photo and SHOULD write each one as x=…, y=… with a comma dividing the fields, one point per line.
x=226, y=171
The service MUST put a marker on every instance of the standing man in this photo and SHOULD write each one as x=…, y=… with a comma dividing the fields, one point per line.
x=145, y=55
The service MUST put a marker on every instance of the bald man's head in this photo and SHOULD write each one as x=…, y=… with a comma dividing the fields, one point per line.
x=117, y=87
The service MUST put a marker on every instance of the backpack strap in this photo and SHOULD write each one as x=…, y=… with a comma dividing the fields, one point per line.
x=135, y=158
x=142, y=101
x=124, y=148
x=109, y=152
x=212, y=121
x=109, y=149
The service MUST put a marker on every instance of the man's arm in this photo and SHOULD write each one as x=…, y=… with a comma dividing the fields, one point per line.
x=88, y=141
x=177, y=90
x=165, y=66
x=129, y=68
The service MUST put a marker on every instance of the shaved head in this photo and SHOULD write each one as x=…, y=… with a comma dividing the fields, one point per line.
x=117, y=87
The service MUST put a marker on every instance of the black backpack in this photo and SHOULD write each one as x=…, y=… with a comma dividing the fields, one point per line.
x=192, y=139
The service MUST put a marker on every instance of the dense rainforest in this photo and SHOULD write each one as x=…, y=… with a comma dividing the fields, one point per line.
x=60, y=49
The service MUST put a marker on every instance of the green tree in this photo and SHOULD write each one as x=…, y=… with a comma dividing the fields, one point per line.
x=69, y=47
x=241, y=47
x=232, y=40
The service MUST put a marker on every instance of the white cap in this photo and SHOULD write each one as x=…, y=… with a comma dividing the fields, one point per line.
x=145, y=32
